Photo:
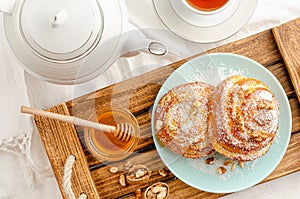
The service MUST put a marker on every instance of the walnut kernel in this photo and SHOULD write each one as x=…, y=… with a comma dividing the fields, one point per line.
x=242, y=164
x=122, y=180
x=138, y=193
x=158, y=190
x=210, y=160
x=113, y=169
x=137, y=173
x=227, y=162
x=163, y=172
x=233, y=166
x=221, y=170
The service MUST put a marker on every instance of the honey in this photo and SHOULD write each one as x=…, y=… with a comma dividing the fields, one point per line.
x=104, y=145
x=206, y=5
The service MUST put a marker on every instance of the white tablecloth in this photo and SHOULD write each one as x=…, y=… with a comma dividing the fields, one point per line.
x=25, y=170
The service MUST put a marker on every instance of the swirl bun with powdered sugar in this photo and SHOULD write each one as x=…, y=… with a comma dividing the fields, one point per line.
x=245, y=117
x=182, y=119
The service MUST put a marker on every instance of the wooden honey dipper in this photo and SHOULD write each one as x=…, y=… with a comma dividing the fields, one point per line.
x=122, y=131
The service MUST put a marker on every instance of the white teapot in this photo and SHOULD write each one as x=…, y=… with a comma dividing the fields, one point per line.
x=63, y=41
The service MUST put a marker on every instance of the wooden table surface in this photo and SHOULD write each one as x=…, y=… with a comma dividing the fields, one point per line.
x=277, y=49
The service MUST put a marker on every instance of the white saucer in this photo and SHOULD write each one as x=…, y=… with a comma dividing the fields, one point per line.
x=204, y=34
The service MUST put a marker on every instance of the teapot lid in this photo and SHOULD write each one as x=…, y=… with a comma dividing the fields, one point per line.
x=61, y=30
x=65, y=41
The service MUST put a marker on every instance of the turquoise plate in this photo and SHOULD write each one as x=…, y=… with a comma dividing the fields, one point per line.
x=213, y=68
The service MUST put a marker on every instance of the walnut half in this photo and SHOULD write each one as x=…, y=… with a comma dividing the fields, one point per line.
x=158, y=190
x=137, y=173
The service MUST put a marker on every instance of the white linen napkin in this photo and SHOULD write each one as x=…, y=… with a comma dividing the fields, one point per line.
x=17, y=166
x=12, y=92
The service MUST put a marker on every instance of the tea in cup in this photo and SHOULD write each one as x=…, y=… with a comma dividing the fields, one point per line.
x=205, y=6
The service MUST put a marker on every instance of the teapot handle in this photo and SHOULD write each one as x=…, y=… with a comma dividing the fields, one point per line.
x=7, y=6
x=137, y=40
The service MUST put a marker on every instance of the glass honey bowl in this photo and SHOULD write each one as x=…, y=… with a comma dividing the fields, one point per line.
x=104, y=145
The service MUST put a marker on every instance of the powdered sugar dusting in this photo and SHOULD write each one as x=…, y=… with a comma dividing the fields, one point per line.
x=237, y=173
x=212, y=73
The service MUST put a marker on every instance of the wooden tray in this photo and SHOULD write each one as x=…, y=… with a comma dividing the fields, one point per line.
x=277, y=49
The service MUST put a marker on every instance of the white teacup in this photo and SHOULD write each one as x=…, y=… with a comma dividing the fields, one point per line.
x=204, y=17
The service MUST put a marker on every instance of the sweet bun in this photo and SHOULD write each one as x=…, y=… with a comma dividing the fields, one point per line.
x=245, y=116
x=182, y=120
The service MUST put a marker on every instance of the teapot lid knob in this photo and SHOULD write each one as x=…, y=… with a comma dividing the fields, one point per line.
x=59, y=19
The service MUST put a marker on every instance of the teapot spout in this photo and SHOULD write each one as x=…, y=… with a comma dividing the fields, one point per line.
x=7, y=6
